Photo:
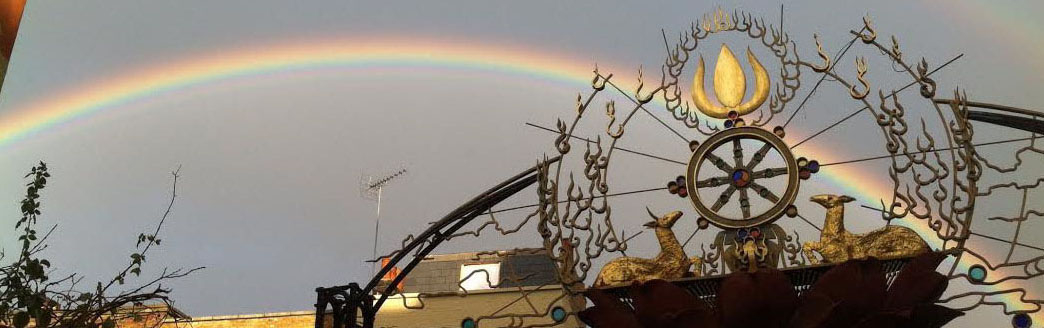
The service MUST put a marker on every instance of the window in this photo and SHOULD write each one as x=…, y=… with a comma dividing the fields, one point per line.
x=479, y=276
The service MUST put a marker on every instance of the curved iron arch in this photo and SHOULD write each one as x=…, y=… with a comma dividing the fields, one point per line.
x=1012, y=121
x=349, y=301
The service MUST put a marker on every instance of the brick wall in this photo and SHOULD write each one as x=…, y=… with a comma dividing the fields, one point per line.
x=300, y=319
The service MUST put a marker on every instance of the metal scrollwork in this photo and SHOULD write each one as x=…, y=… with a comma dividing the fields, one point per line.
x=930, y=164
x=861, y=73
x=822, y=54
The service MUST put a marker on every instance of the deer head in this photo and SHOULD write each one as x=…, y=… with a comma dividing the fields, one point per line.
x=831, y=201
x=666, y=221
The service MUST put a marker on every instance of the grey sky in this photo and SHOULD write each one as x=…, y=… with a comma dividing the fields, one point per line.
x=268, y=197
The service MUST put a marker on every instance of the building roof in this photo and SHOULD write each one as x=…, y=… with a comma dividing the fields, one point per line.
x=517, y=268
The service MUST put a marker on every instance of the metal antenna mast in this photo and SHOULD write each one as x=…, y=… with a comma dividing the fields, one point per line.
x=372, y=187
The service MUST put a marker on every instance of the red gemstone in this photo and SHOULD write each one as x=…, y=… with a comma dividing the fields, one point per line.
x=683, y=192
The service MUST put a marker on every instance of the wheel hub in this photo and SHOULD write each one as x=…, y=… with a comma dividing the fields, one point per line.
x=741, y=178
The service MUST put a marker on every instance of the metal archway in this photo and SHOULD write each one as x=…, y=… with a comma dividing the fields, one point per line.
x=347, y=302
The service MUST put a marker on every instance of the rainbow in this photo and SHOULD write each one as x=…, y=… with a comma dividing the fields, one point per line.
x=354, y=54
x=1012, y=25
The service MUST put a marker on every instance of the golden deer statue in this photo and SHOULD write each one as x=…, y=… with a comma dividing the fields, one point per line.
x=671, y=263
x=838, y=245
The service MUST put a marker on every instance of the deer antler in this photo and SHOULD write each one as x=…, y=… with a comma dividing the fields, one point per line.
x=654, y=216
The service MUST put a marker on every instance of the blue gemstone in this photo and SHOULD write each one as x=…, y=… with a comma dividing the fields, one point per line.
x=1021, y=320
x=728, y=123
x=468, y=323
x=813, y=166
x=737, y=176
x=558, y=314
x=977, y=273
x=741, y=234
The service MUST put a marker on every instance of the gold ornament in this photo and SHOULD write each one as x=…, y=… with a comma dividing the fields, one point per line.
x=730, y=85
x=671, y=263
x=718, y=21
x=837, y=245
x=751, y=253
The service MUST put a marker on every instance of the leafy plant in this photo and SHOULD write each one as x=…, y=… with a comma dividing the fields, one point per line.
x=29, y=297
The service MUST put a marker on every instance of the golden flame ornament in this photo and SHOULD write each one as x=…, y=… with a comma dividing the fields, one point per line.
x=730, y=86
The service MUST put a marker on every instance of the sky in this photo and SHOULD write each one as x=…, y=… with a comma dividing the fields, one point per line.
x=271, y=158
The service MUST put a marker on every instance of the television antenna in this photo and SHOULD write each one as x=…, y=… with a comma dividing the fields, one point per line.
x=372, y=187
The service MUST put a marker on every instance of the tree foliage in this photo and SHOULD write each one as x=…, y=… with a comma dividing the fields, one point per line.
x=29, y=297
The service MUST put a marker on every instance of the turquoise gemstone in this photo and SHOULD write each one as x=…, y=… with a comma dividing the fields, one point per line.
x=977, y=273
x=468, y=323
x=558, y=314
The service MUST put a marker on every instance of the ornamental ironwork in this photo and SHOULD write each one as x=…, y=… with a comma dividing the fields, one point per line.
x=746, y=171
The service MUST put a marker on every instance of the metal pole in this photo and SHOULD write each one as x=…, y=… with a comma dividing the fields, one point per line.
x=377, y=229
x=373, y=187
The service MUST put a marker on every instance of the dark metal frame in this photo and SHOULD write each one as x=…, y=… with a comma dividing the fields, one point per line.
x=348, y=302
x=1008, y=120
x=802, y=278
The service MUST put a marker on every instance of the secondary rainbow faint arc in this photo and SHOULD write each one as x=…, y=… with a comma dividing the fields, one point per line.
x=24, y=121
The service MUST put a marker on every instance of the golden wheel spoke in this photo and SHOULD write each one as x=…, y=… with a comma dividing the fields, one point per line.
x=713, y=182
x=768, y=173
x=719, y=163
x=758, y=156
x=764, y=192
x=737, y=153
x=744, y=203
x=724, y=198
